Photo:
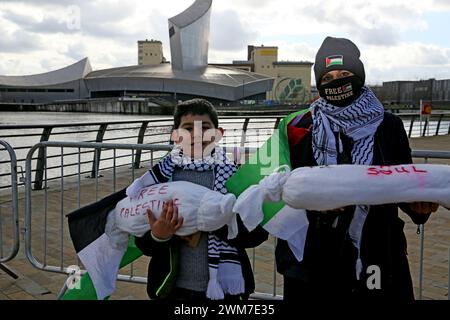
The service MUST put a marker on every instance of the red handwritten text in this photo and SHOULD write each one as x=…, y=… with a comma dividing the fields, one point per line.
x=394, y=170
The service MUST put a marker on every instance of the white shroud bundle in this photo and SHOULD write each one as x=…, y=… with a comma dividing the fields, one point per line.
x=337, y=186
x=201, y=208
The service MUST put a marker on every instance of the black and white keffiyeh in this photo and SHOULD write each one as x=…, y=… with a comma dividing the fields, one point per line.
x=225, y=271
x=359, y=121
x=217, y=161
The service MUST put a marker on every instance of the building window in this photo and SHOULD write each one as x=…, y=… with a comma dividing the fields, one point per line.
x=56, y=90
x=36, y=90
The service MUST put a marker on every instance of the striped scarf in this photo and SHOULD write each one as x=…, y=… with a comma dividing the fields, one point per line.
x=359, y=121
x=225, y=271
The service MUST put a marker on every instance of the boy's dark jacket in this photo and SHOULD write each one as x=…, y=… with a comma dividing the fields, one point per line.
x=329, y=258
x=163, y=266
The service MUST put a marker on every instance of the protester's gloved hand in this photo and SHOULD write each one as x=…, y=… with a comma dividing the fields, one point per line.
x=421, y=211
x=424, y=207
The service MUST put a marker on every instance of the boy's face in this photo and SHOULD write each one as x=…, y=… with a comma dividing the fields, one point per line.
x=197, y=135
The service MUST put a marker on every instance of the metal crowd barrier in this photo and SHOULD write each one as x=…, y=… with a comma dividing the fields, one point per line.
x=55, y=251
x=426, y=155
x=51, y=250
x=9, y=200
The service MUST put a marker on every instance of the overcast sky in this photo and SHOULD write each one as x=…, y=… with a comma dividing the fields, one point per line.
x=399, y=39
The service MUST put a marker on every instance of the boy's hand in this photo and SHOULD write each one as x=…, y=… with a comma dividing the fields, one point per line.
x=168, y=222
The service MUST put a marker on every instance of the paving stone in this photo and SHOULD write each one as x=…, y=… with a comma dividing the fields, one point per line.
x=11, y=290
x=21, y=295
x=31, y=287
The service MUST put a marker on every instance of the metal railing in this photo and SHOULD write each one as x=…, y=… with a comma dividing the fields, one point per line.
x=9, y=200
x=243, y=131
x=421, y=126
x=145, y=131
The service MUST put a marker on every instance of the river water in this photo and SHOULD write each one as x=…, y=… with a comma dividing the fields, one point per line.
x=233, y=128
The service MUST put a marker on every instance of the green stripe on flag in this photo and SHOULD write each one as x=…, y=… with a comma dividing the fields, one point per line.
x=87, y=290
x=335, y=62
x=270, y=209
x=258, y=165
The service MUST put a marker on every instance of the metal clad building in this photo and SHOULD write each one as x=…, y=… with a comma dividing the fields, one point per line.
x=411, y=92
x=63, y=84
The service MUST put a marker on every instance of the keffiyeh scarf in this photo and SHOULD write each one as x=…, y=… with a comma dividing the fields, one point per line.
x=359, y=121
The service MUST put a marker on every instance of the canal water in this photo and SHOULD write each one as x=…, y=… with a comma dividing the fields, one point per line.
x=232, y=133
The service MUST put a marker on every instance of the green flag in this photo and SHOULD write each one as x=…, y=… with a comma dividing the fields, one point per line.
x=85, y=290
x=279, y=220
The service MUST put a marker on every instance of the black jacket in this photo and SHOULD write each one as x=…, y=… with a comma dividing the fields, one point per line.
x=163, y=266
x=329, y=257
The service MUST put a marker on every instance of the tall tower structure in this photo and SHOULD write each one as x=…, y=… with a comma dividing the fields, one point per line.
x=189, y=37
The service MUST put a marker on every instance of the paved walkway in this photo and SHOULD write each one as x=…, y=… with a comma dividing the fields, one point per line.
x=33, y=283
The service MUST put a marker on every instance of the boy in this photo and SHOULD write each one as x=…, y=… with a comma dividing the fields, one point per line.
x=204, y=265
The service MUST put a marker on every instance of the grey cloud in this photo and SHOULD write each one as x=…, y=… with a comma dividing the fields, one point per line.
x=17, y=18
x=407, y=73
x=423, y=63
x=49, y=2
x=158, y=24
x=96, y=19
x=228, y=33
x=378, y=34
x=19, y=41
x=104, y=21
x=77, y=51
x=383, y=35
x=442, y=4
x=399, y=12
x=107, y=12
x=12, y=66
x=48, y=25
x=255, y=4
x=431, y=56
x=304, y=52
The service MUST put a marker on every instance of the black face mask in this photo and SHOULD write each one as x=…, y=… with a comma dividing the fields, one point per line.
x=341, y=92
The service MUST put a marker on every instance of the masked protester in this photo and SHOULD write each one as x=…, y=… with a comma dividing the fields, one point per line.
x=356, y=251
